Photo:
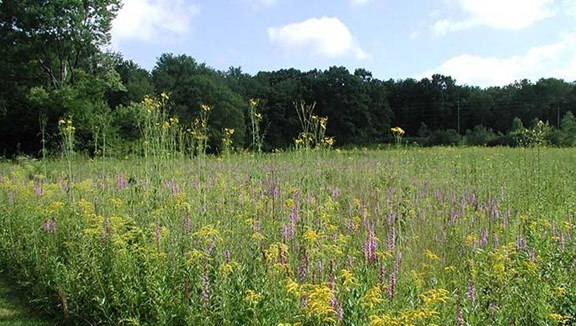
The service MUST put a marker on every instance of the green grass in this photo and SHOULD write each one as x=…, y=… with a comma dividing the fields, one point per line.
x=14, y=308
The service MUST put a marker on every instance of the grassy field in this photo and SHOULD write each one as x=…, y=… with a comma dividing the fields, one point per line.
x=447, y=236
x=14, y=309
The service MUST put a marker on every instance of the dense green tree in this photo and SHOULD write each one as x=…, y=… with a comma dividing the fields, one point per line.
x=51, y=52
x=191, y=85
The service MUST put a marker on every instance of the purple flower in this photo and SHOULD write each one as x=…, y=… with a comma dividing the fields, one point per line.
x=121, y=181
x=391, y=285
x=37, y=187
x=50, y=225
x=459, y=317
x=303, y=266
x=171, y=184
x=520, y=243
x=391, y=240
x=227, y=255
x=471, y=291
x=370, y=245
x=337, y=307
x=483, y=238
x=335, y=192
x=187, y=222
x=205, y=288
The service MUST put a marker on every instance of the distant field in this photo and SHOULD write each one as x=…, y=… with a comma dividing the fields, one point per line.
x=447, y=236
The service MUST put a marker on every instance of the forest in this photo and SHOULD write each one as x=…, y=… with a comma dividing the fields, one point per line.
x=54, y=65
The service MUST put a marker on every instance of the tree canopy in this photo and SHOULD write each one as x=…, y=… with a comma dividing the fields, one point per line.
x=52, y=65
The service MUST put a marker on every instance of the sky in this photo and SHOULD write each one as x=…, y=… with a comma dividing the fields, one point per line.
x=478, y=42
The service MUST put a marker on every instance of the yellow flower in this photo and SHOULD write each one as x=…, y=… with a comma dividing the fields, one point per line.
x=433, y=296
x=347, y=277
x=252, y=297
x=292, y=287
x=430, y=255
x=373, y=297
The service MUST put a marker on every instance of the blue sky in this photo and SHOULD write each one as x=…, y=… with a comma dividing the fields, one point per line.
x=478, y=42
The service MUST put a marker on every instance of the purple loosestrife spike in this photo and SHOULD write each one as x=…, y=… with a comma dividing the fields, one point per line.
x=561, y=241
x=381, y=274
x=391, y=285
x=483, y=238
x=50, y=225
x=495, y=211
x=459, y=317
x=331, y=277
x=520, y=243
x=210, y=247
x=532, y=255
x=205, y=288
x=157, y=234
x=506, y=218
x=391, y=241
x=335, y=192
x=284, y=233
x=303, y=266
x=227, y=255
x=337, y=308
x=38, y=187
x=495, y=241
x=106, y=230
x=320, y=268
x=174, y=189
x=187, y=222
x=471, y=291
x=121, y=181
x=282, y=256
x=370, y=245
x=350, y=261
x=397, y=261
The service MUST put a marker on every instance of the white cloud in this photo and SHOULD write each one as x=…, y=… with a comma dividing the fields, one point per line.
x=262, y=3
x=153, y=20
x=325, y=36
x=498, y=14
x=360, y=3
x=553, y=60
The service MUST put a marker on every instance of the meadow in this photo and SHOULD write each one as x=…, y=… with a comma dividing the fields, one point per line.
x=446, y=236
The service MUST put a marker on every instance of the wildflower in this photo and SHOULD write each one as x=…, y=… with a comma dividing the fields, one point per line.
x=471, y=291
x=434, y=296
x=347, y=278
x=459, y=317
x=121, y=181
x=303, y=266
x=38, y=187
x=369, y=247
x=187, y=222
x=430, y=255
x=373, y=297
x=252, y=297
x=50, y=225
x=205, y=288
x=292, y=287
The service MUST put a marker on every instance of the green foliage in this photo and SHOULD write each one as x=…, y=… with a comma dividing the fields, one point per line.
x=568, y=130
x=403, y=237
x=480, y=136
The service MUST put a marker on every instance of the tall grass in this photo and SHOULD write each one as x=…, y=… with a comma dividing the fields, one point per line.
x=395, y=237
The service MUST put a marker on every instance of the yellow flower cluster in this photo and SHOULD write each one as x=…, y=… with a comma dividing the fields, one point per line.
x=397, y=131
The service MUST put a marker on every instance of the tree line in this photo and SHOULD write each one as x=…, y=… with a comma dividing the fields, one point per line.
x=52, y=65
